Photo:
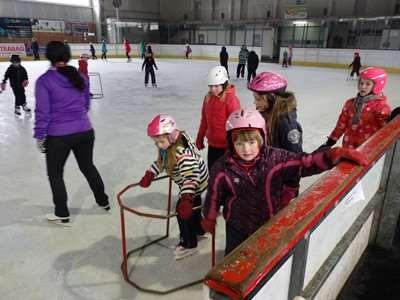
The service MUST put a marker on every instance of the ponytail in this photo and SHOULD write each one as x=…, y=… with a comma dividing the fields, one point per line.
x=73, y=76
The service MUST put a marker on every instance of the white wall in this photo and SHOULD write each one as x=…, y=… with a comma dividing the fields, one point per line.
x=383, y=58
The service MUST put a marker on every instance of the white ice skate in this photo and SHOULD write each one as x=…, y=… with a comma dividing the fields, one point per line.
x=26, y=108
x=17, y=110
x=63, y=221
x=181, y=252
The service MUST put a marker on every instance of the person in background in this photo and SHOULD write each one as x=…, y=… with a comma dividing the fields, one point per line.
x=92, y=51
x=223, y=59
x=290, y=56
x=103, y=49
x=62, y=125
x=147, y=65
x=355, y=65
x=127, y=47
x=243, y=55
x=35, y=49
x=18, y=77
x=285, y=59
x=188, y=51
x=252, y=65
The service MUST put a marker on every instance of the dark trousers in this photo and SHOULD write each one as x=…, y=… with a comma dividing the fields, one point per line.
x=104, y=55
x=355, y=71
x=250, y=73
x=94, y=55
x=127, y=55
x=152, y=74
x=284, y=63
x=36, y=55
x=213, y=154
x=233, y=239
x=19, y=93
x=226, y=67
x=58, y=149
x=191, y=228
x=240, y=70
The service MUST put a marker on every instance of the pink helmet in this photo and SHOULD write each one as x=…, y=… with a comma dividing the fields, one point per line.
x=267, y=82
x=245, y=118
x=377, y=75
x=162, y=124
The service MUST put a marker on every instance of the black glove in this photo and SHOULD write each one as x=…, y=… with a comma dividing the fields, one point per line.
x=394, y=114
x=41, y=145
x=329, y=143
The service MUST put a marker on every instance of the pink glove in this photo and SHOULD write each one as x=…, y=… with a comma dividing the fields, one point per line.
x=200, y=143
x=147, y=179
x=3, y=86
x=208, y=225
x=25, y=83
x=185, y=206
x=338, y=153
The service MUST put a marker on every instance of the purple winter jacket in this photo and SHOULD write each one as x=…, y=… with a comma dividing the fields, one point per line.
x=250, y=199
x=61, y=108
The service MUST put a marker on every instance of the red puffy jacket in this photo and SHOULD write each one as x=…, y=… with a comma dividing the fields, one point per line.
x=373, y=117
x=215, y=112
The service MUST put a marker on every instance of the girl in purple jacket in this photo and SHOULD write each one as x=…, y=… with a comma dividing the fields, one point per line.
x=62, y=125
x=250, y=180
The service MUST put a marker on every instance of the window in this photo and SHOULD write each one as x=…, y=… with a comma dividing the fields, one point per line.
x=65, y=2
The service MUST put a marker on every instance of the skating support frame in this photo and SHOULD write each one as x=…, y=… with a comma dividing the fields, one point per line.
x=126, y=253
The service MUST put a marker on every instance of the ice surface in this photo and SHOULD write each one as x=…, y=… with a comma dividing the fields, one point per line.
x=42, y=261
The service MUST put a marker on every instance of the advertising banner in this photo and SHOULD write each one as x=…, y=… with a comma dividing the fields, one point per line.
x=15, y=27
x=16, y=48
x=76, y=29
x=47, y=25
x=295, y=12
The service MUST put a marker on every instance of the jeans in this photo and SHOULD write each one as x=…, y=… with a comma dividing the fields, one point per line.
x=58, y=149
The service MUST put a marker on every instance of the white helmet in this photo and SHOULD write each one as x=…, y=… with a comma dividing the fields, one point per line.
x=217, y=75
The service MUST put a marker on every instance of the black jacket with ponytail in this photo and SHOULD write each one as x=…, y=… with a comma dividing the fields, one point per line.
x=57, y=52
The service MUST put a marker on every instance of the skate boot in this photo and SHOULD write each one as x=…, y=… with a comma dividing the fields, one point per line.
x=146, y=85
x=17, y=110
x=154, y=85
x=26, y=108
x=57, y=220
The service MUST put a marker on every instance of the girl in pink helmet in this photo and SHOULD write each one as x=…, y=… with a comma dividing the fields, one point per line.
x=249, y=180
x=365, y=114
x=218, y=104
x=279, y=109
x=179, y=158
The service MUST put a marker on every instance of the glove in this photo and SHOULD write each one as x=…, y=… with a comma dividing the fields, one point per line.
x=329, y=143
x=394, y=114
x=41, y=145
x=200, y=143
x=147, y=179
x=3, y=86
x=25, y=83
x=338, y=153
x=208, y=225
x=185, y=206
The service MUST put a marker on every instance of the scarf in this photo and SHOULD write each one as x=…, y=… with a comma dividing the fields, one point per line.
x=358, y=104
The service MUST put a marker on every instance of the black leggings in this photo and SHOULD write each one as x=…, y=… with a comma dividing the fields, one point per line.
x=58, y=149
x=20, y=98
x=213, y=154
x=150, y=71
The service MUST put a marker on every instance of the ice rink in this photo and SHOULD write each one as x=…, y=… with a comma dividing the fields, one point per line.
x=39, y=260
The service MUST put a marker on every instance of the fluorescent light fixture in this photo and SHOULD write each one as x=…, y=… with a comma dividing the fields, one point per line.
x=300, y=23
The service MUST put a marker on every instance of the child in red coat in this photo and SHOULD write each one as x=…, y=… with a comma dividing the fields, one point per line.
x=365, y=114
x=83, y=64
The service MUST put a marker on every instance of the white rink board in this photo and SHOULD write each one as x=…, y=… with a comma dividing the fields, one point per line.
x=326, y=236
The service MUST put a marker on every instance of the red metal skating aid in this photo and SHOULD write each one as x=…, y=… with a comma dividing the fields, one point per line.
x=167, y=216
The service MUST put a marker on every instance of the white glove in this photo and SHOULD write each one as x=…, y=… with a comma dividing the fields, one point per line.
x=41, y=145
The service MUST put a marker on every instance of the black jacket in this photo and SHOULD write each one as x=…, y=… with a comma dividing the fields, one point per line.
x=356, y=63
x=288, y=133
x=149, y=62
x=252, y=61
x=16, y=75
x=35, y=46
x=223, y=57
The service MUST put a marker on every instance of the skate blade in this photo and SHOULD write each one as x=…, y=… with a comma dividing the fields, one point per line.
x=59, y=223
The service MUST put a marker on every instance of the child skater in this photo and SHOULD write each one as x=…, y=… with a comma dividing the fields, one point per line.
x=249, y=180
x=365, y=114
x=356, y=65
x=218, y=104
x=180, y=159
x=147, y=65
x=18, y=82
x=83, y=65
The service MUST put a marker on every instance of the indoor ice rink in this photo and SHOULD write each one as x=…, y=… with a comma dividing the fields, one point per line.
x=40, y=260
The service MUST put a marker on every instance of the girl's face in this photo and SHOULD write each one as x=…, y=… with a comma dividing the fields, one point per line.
x=260, y=102
x=162, y=141
x=365, y=86
x=215, y=90
x=247, y=150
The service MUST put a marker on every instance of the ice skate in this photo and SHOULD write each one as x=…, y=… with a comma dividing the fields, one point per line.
x=146, y=85
x=26, y=108
x=63, y=221
x=107, y=208
x=17, y=111
x=182, y=252
x=154, y=85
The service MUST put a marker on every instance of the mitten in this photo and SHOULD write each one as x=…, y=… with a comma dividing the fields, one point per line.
x=208, y=225
x=338, y=153
x=329, y=143
x=41, y=145
x=147, y=179
x=185, y=206
x=3, y=86
x=200, y=143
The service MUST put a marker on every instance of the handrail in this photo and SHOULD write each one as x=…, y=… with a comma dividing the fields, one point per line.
x=244, y=268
